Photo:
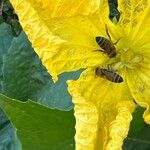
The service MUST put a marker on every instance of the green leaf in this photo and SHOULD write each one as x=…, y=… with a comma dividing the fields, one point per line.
x=56, y=95
x=38, y=127
x=9, y=5
x=19, y=70
x=5, y=41
x=138, y=122
x=26, y=78
x=139, y=140
x=139, y=134
x=16, y=27
x=1, y=19
x=5, y=38
x=114, y=14
x=8, y=138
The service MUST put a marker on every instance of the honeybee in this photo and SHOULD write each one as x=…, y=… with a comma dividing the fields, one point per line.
x=107, y=45
x=109, y=75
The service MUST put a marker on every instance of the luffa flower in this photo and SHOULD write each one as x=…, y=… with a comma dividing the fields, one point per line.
x=63, y=34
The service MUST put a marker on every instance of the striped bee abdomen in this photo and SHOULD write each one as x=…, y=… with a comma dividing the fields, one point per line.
x=116, y=78
x=109, y=75
x=106, y=46
x=101, y=41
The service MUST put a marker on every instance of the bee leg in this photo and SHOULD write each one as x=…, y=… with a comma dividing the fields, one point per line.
x=100, y=50
x=108, y=32
x=95, y=73
x=116, y=41
x=109, y=66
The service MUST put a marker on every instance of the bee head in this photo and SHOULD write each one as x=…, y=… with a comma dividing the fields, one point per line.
x=112, y=54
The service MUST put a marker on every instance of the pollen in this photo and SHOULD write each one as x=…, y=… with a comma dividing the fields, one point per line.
x=127, y=59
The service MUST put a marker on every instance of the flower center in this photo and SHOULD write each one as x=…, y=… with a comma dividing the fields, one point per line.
x=126, y=58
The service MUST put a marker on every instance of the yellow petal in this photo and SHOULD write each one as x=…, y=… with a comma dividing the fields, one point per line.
x=65, y=44
x=134, y=21
x=134, y=17
x=102, y=110
x=62, y=44
x=120, y=126
x=67, y=8
x=139, y=78
x=139, y=84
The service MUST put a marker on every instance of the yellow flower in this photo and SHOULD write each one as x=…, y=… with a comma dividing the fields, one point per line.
x=63, y=34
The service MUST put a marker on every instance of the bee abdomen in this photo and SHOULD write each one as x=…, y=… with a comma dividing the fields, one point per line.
x=101, y=41
x=117, y=78
x=106, y=46
x=109, y=75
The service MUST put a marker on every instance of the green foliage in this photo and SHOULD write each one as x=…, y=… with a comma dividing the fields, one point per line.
x=38, y=127
x=8, y=15
x=138, y=122
x=5, y=41
x=139, y=140
x=23, y=77
x=8, y=138
x=139, y=134
x=29, y=79
x=114, y=13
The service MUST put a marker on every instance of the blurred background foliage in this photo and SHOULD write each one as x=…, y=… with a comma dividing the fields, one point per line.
x=23, y=77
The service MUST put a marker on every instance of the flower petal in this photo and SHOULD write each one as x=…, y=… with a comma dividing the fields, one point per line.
x=67, y=8
x=137, y=18
x=62, y=44
x=102, y=110
x=139, y=84
x=134, y=18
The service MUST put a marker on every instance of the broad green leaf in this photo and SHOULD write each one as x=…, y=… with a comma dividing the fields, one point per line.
x=26, y=78
x=22, y=77
x=139, y=140
x=138, y=122
x=56, y=95
x=38, y=127
x=139, y=134
x=5, y=41
x=5, y=38
x=8, y=138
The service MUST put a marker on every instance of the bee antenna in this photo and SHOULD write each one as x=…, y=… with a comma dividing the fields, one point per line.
x=107, y=32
